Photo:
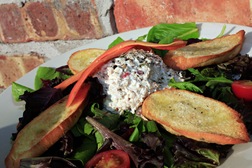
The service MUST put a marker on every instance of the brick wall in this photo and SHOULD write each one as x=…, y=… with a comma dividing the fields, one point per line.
x=132, y=14
x=37, y=30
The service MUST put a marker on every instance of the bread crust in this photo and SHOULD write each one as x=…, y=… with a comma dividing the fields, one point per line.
x=205, y=53
x=194, y=116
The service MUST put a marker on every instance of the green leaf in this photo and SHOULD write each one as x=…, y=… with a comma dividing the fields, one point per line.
x=109, y=120
x=225, y=95
x=86, y=150
x=141, y=38
x=82, y=127
x=205, y=76
x=139, y=129
x=207, y=79
x=140, y=126
x=210, y=76
x=210, y=72
x=135, y=136
x=99, y=139
x=210, y=154
x=18, y=90
x=169, y=141
x=198, y=75
x=222, y=31
x=166, y=32
x=115, y=42
x=47, y=73
x=96, y=111
x=185, y=86
x=151, y=126
x=132, y=119
x=87, y=129
x=212, y=82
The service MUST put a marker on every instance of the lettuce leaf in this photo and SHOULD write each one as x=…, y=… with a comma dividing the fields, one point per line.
x=208, y=78
x=83, y=128
x=115, y=42
x=49, y=74
x=139, y=126
x=166, y=33
x=191, y=153
x=18, y=90
x=45, y=77
x=185, y=86
x=86, y=150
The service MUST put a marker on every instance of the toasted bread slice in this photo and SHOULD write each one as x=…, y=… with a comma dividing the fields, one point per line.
x=194, y=116
x=83, y=58
x=206, y=52
x=47, y=128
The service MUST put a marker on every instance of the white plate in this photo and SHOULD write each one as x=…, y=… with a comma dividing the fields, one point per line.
x=11, y=111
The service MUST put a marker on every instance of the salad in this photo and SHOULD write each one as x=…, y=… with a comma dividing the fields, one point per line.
x=78, y=147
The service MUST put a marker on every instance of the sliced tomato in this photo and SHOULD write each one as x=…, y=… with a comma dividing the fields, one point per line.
x=109, y=159
x=243, y=89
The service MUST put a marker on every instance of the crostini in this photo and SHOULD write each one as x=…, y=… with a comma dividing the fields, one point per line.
x=194, y=116
x=206, y=52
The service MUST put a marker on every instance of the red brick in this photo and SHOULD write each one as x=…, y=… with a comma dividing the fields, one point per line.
x=7, y=76
x=40, y=21
x=20, y=65
x=11, y=24
x=82, y=18
x=31, y=61
x=133, y=14
x=50, y=20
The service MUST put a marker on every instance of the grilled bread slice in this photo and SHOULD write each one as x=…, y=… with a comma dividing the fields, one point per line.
x=46, y=129
x=206, y=52
x=194, y=116
x=83, y=58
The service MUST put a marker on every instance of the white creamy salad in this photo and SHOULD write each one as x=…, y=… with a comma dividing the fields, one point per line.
x=128, y=79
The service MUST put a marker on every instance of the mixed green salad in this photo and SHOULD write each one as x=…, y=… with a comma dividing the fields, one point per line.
x=148, y=143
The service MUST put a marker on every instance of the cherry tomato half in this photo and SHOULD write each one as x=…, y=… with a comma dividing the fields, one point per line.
x=109, y=159
x=243, y=89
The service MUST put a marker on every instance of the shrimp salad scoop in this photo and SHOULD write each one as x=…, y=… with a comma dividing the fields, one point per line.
x=128, y=79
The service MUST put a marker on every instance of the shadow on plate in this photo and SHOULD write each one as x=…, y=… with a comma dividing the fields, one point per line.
x=5, y=141
x=240, y=156
x=248, y=43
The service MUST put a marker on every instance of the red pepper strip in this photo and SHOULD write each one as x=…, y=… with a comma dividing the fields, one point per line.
x=63, y=85
x=110, y=54
x=131, y=44
x=82, y=95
